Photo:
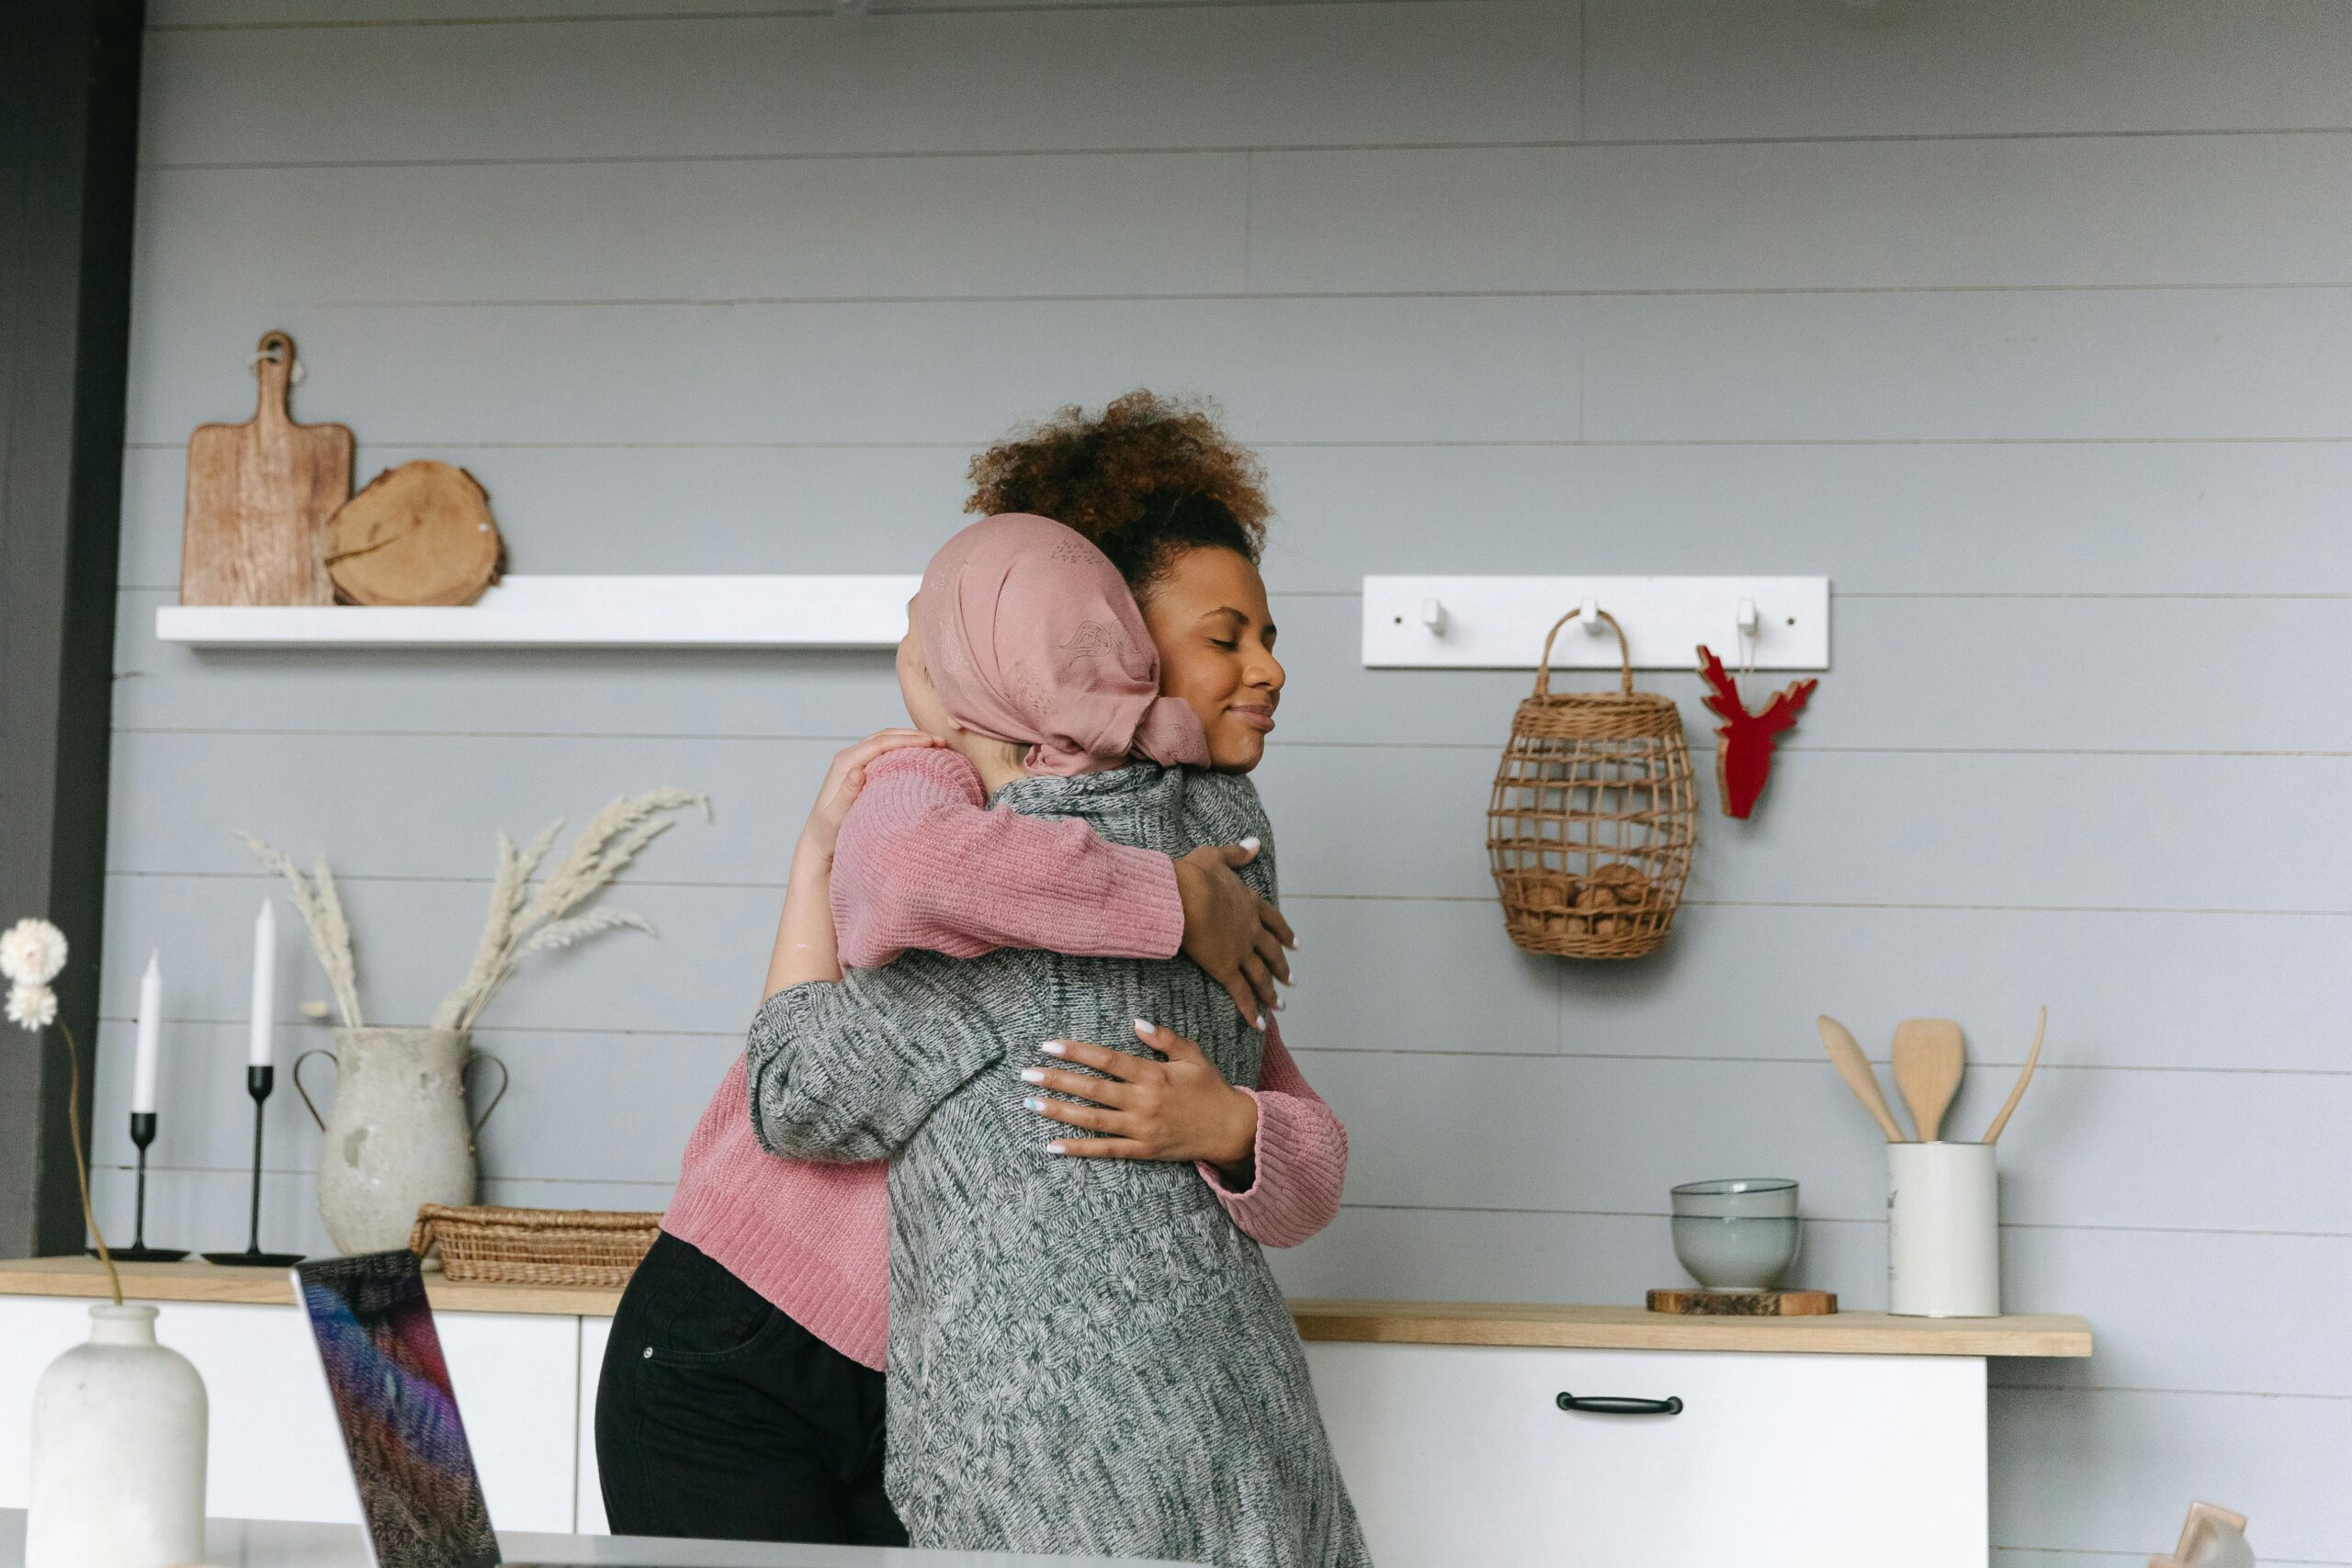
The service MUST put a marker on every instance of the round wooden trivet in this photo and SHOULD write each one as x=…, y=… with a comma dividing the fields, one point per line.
x=419, y=534
x=1745, y=1303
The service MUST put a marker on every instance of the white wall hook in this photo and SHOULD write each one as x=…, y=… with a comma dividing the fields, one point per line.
x=1589, y=615
x=1433, y=616
x=1751, y=621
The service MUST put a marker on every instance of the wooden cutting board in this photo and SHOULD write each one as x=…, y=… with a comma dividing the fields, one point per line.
x=259, y=495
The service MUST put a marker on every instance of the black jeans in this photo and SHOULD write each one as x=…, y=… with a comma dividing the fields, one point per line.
x=719, y=1417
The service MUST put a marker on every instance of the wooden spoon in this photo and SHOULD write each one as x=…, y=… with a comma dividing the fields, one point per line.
x=1928, y=1055
x=1847, y=1056
x=1992, y=1133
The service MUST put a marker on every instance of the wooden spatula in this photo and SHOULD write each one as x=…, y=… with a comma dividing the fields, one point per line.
x=1846, y=1056
x=1928, y=1055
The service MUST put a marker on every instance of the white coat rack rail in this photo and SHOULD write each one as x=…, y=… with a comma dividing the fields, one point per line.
x=1497, y=622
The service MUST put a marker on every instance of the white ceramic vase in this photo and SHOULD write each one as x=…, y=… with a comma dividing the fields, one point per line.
x=119, y=1431
x=398, y=1136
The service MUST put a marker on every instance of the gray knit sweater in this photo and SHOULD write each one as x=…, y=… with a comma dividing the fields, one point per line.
x=1085, y=1356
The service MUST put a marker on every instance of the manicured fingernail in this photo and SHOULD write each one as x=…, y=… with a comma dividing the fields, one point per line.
x=1058, y=1147
x=1262, y=1021
x=1251, y=843
x=1143, y=1028
x=1033, y=1103
x=1278, y=1004
x=1053, y=1048
x=1032, y=1075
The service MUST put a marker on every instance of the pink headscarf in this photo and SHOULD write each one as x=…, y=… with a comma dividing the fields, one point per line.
x=1032, y=637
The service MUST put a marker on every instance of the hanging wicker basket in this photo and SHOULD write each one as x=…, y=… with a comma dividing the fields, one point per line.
x=1593, y=815
x=534, y=1247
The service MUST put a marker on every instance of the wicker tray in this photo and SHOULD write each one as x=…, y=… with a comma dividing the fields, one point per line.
x=534, y=1247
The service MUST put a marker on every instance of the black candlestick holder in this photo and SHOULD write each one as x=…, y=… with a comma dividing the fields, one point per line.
x=142, y=1132
x=258, y=1083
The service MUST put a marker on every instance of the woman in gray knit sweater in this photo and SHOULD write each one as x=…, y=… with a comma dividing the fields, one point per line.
x=1085, y=1356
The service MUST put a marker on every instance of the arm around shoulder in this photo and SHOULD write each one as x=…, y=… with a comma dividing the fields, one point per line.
x=923, y=863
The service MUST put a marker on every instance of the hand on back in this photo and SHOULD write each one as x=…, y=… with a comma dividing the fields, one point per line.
x=1237, y=937
x=1177, y=1107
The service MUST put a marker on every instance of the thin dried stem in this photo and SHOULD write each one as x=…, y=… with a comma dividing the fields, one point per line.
x=81, y=1161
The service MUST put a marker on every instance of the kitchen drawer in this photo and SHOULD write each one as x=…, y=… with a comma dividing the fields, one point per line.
x=1461, y=1455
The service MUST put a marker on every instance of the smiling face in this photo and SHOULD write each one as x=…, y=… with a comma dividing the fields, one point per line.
x=1208, y=616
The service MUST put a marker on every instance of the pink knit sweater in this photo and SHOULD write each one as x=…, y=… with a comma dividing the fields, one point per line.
x=923, y=863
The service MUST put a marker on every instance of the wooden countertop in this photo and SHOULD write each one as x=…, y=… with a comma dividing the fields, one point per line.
x=1637, y=1328
x=1384, y=1323
x=195, y=1281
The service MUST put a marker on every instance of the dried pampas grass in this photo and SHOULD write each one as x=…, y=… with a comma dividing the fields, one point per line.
x=321, y=910
x=524, y=920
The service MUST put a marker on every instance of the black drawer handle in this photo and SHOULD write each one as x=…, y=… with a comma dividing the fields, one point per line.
x=1609, y=1404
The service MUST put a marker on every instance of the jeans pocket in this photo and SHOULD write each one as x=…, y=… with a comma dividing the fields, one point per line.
x=700, y=1312
x=708, y=1341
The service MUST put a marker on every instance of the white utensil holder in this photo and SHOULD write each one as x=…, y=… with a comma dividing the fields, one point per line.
x=1943, y=1231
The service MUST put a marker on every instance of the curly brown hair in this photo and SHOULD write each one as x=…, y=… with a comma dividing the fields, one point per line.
x=1147, y=480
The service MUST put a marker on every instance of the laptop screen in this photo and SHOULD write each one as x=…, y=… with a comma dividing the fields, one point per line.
x=418, y=1489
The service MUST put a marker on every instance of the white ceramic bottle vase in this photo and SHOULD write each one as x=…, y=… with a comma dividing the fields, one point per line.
x=118, y=1432
x=1943, y=1231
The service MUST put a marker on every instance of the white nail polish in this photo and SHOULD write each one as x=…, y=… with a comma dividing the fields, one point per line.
x=1032, y=1075
x=1052, y=1048
x=1251, y=843
x=1057, y=1147
x=1032, y=1104
x=1143, y=1028
x=1262, y=1021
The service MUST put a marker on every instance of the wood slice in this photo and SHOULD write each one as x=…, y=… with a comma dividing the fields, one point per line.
x=1745, y=1303
x=419, y=534
x=258, y=495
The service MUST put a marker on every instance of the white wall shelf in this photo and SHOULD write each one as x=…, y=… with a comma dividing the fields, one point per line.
x=1497, y=622
x=579, y=612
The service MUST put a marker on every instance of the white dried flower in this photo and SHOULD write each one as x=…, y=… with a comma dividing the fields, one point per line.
x=32, y=952
x=32, y=1004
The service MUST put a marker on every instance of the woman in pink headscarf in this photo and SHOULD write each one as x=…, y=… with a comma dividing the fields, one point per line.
x=1086, y=1357
x=737, y=1397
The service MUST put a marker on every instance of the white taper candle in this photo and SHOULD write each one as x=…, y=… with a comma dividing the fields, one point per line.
x=265, y=999
x=150, y=1024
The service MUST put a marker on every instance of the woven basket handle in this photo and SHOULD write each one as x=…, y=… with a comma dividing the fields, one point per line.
x=1624, y=652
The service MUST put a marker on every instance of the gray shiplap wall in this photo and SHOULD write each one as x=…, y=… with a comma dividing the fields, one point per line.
x=2027, y=323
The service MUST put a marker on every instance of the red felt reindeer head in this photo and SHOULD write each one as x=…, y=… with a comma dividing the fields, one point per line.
x=1744, y=760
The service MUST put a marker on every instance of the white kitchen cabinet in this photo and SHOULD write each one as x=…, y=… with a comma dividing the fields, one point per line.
x=276, y=1451
x=1851, y=1442
x=1460, y=1454
x=590, y=1514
